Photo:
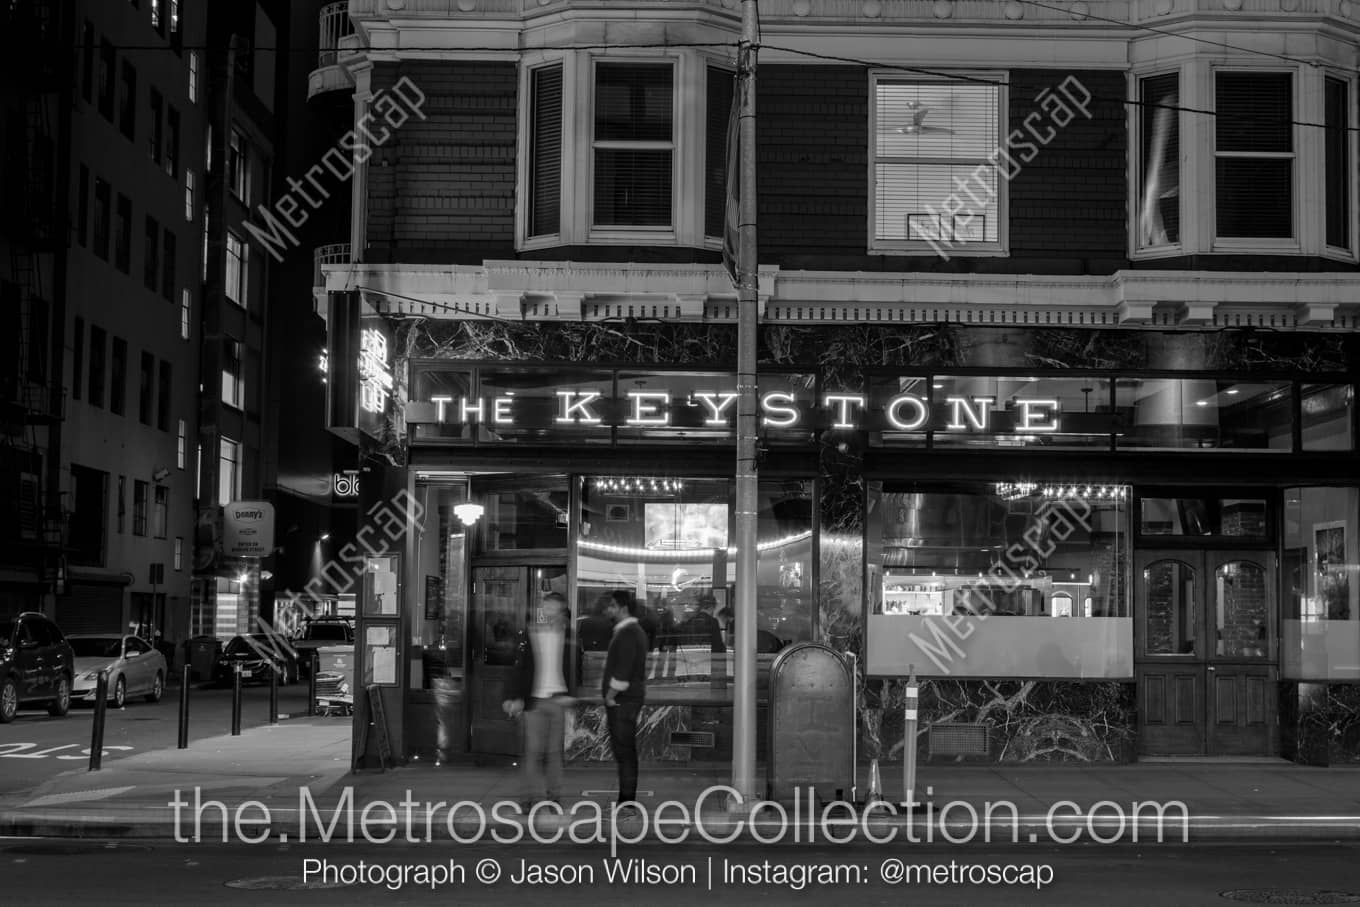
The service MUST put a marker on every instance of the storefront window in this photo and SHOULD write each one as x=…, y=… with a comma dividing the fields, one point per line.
x=665, y=542
x=438, y=599
x=1220, y=413
x=1244, y=518
x=1022, y=580
x=1321, y=584
x=524, y=520
x=1326, y=414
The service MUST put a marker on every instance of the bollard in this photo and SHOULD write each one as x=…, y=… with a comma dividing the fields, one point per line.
x=184, y=709
x=909, y=742
x=274, y=694
x=312, y=660
x=101, y=705
x=236, y=700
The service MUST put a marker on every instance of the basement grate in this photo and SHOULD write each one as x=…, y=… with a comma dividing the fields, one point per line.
x=1289, y=896
x=958, y=740
x=692, y=738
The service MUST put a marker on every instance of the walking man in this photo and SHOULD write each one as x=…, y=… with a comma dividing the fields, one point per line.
x=540, y=690
x=624, y=686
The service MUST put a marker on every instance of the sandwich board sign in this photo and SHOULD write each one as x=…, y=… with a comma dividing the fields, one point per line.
x=248, y=529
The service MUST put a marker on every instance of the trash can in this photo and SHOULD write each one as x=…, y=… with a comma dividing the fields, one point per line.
x=201, y=654
x=812, y=724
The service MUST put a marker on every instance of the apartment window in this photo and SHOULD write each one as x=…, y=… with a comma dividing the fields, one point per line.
x=158, y=16
x=185, y=311
x=193, y=77
x=87, y=527
x=233, y=385
x=1159, y=176
x=127, y=101
x=146, y=388
x=98, y=341
x=168, y=257
x=228, y=472
x=205, y=242
x=122, y=238
x=160, y=515
x=88, y=67
x=179, y=553
x=238, y=269
x=140, y=491
x=174, y=23
x=122, y=504
x=181, y=444
x=198, y=474
x=172, y=142
x=163, y=397
x=718, y=86
x=108, y=62
x=238, y=166
x=102, y=214
x=935, y=186
x=633, y=144
x=1337, y=161
x=1254, y=155
x=151, y=266
x=118, y=377
x=189, y=195
x=83, y=206
x=77, y=356
x=545, y=151
x=157, y=137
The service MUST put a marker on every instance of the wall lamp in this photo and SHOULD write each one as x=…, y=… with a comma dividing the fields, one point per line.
x=468, y=513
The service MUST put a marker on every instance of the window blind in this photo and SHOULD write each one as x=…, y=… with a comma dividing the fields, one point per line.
x=545, y=152
x=1254, y=166
x=633, y=144
x=720, y=89
x=1337, y=162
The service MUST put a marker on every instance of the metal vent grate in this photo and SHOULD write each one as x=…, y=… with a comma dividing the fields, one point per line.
x=958, y=740
x=692, y=738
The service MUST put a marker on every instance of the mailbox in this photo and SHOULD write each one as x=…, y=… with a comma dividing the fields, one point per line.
x=812, y=723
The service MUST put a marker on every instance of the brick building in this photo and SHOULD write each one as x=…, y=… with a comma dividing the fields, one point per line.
x=1058, y=314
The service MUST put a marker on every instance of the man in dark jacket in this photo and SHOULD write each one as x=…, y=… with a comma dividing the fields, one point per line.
x=540, y=690
x=624, y=687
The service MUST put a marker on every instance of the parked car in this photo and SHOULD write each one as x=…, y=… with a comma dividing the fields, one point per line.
x=259, y=655
x=37, y=666
x=135, y=668
x=320, y=633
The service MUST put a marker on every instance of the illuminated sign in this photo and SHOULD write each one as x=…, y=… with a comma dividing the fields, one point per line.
x=375, y=372
x=345, y=484
x=584, y=408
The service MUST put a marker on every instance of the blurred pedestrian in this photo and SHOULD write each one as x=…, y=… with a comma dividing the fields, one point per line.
x=541, y=690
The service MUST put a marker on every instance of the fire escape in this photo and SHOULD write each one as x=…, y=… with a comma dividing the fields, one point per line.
x=32, y=227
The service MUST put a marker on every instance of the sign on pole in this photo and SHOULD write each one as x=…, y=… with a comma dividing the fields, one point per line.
x=248, y=529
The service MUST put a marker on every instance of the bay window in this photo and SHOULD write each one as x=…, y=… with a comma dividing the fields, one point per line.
x=1254, y=155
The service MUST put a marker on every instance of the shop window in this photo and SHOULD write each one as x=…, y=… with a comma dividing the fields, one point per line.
x=1243, y=518
x=665, y=542
x=1190, y=413
x=530, y=519
x=1320, y=582
x=1328, y=417
x=1024, y=580
x=439, y=613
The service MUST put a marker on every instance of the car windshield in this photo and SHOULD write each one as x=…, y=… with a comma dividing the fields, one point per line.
x=328, y=631
x=96, y=646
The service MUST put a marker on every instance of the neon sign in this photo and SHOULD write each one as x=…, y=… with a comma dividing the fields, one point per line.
x=375, y=372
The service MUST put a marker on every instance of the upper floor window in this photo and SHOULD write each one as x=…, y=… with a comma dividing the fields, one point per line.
x=238, y=166
x=935, y=185
x=1159, y=175
x=127, y=101
x=1254, y=155
x=612, y=156
x=193, y=77
x=1338, y=163
x=238, y=269
x=633, y=144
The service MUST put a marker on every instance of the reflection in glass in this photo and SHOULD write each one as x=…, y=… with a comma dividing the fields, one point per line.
x=1240, y=610
x=525, y=519
x=1326, y=415
x=1169, y=622
x=501, y=608
x=1181, y=413
x=1228, y=517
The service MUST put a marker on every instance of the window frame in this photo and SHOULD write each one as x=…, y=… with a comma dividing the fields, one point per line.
x=233, y=381
x=140, y=506
x=606, y=233
x=1298, y=157
x=577, y=181
x=234, y=482
x=1000, y=248
x=1349, y=253
x=1135, y=157
x=237, y=266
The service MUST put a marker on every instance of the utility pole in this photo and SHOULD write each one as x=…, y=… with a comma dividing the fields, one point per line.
x=744, y=668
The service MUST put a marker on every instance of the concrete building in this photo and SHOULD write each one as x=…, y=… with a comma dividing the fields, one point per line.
x=1058, y=359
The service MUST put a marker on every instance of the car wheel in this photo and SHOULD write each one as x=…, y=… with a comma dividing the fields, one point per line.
x=120, y=693
x=157, y=688
x=9, y=700
x=62, y=704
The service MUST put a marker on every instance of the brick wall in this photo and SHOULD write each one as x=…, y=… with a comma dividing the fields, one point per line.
x=443, y=189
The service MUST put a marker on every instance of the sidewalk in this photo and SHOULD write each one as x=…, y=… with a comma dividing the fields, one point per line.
x=298, y=772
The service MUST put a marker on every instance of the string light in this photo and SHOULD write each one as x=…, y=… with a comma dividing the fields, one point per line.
x=620, y=485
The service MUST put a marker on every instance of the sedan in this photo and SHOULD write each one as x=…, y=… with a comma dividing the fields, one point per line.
x=133, y=666
x=259, y=655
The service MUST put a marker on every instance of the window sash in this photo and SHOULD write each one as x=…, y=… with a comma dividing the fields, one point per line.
x=633, y=145
x=1254, y=152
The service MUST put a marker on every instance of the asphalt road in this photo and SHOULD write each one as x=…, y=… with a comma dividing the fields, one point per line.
x=36, y=746
x=42, y=872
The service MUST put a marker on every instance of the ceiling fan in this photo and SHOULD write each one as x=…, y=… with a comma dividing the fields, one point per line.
x=917, y=126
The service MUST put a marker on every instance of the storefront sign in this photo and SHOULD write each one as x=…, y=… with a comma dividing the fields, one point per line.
x=359, y=369
x=248, y=529
x=345, y=484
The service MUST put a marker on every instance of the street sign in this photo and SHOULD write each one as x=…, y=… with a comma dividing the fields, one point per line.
x=248, y=529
